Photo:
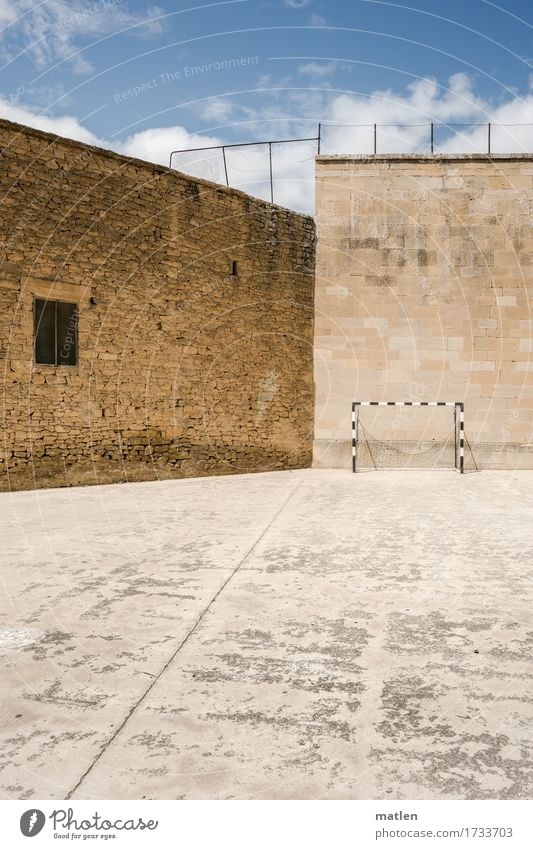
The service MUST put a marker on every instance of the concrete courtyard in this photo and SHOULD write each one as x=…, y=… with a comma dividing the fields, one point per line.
x=292, y=635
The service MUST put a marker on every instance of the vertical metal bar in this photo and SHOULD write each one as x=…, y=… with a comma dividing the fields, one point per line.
x=353, y=438
x=35, y=329
x=488, y=137
x=271, y=180
x=432, y=137
x=225, y=165
x=375, y=139
x=56, y=358
x=461, y=438
x=319, y=137
x=455, y=435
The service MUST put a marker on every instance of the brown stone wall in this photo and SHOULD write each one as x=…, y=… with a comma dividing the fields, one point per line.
x=424, y=292
x=184, y=368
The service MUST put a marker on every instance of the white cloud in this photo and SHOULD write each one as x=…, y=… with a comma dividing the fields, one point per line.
x=318, y=69
x=7, y=13
x=297, y=4
x=155, y=145
x=51, y=31
x=215, y=109
x=66, y=125
x=422, y=101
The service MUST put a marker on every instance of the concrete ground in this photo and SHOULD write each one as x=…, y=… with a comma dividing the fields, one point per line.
x=308, y=634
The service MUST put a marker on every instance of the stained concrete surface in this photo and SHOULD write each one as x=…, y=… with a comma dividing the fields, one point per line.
x=307, y=634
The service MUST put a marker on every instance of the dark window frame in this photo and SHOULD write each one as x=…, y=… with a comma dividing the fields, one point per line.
x=57, y=363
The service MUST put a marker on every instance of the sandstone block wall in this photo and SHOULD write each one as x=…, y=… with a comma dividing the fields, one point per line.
x=424, y=291
x=184, y=367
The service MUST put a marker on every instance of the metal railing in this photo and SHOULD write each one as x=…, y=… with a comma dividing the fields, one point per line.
x=431, y=127
x=330, y=139
x=224, y=147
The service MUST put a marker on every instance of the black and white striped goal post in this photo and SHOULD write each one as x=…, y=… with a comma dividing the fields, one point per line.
x=458, y=406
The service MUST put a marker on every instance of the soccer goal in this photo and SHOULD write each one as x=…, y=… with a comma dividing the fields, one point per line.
x=432, y=436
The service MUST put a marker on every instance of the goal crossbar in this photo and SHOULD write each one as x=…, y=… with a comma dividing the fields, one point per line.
x=457, y=405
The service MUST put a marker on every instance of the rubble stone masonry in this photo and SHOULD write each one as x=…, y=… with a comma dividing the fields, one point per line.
x=424, y=291
x=195, y=321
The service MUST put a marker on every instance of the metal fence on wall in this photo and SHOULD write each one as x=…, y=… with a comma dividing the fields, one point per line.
x=275, y=168
x=249, y=162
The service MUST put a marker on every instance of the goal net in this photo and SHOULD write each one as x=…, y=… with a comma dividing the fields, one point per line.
x=407, y=435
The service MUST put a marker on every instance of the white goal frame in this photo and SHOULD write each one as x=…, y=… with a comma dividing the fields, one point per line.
x=459, y=409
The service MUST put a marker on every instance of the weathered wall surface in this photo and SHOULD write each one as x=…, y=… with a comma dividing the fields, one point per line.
x=184, y=368
x=424, y=292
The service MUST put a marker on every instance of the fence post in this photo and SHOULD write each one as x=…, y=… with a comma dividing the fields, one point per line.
x=432, y=137
x=488, y=137
x=375, y=139
x=271, y=180
x=225, y=166
x=318, y=138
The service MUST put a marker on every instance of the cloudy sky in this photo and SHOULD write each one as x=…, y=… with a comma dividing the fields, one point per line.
x=146, y=78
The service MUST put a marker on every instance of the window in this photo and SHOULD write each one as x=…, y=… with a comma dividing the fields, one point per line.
x=56, y=333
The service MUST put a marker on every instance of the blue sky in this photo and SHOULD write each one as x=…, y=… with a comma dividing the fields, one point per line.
x=145, y=77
